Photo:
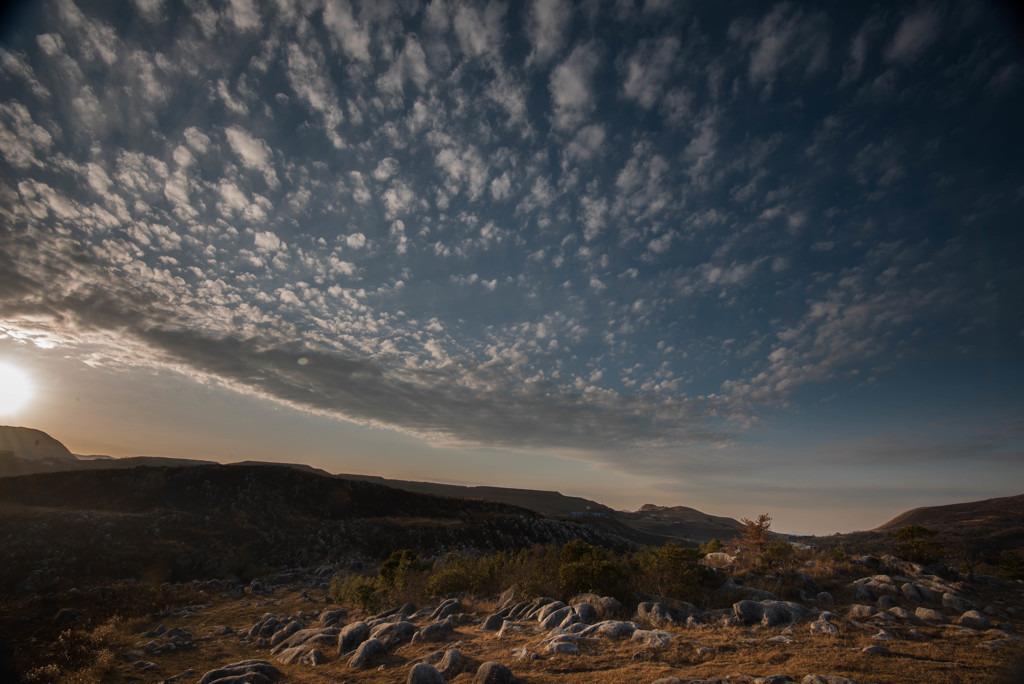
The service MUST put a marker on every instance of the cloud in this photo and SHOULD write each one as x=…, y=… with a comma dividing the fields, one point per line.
x=308, y=78
x=649, y=68
x=480, y=32
x=570, y=85
x=915, y=34
x=346, y=33
x=546, y=28
x=253, y=153
x=786, y=37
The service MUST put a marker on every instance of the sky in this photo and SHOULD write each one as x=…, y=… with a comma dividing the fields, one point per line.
x=740, y=256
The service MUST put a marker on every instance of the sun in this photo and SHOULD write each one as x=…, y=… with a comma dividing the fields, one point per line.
x=15, y=389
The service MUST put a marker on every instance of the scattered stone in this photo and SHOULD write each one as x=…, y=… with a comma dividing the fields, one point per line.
x=424, y=673
x=975, y=620
x=911, y=592
x=876, y=650
x=781, y=639
x=613, y=629
x=329, y=618
x=902, y=613
x=435, y=631
x=883, y=636
x=956, y=603
x=523, y=654
x=824, y=627
x=243, y=668
x=825, y=598
x=768, y=613
x=493, y=673
x=652, y=637
x=557, y=647
x=931, y=615
x=369, y=652
x=351, y=636
x=860, y=611
x=885, y=602
x=392, y=633
x=827, y=679
x=997, y=644
x=555, y=618
x=451, y=663
x=718, y=560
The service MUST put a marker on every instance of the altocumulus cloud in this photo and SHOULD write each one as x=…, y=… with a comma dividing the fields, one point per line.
x=546, y=225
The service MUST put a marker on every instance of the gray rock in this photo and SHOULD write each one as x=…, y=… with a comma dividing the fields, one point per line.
x=823, y=627
x=997, y=644
x=369, y=652
x=562, y=647
x=827, y=679
x=731, y=588
x=285, y=632
x=291, y=655
x=435, y=631
x=862, y=593
x=975, y=620
x=613, y=629
x=902, y=613
x=424, y=673
x=860, y=611
x=825, y=598
x=876, y=650
x=718, y=560
x=885, y=602
x=391, y=633
x=313, y=657
x=493, y=673
x=883, y=636
x=555, y=617
x=956, y=603
x=451, y=663
x=911, y=592
x=493, y=622
x=329, y=618
x=245, y=667
x=768, y=613
x=250, y=678
x=931, y=615
x=652, y=637
x=351, y=636
x=523, y=654
x=547, y=609
x=585, y=612
x=658, y=613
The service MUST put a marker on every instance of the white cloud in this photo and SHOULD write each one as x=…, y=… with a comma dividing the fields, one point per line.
x=267, y=241
x=784, y=37
x=480, y=32
x=387, y=168
x=346, y=32
x=648, y=68
x=570, y=86
x=355, y=241
x=244, y=15
x=20, y=137
x=253, y=152
x=915, y=34
x=308, y=78
x=546, y=27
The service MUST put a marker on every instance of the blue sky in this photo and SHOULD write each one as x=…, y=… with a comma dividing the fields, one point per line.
x=739, y=256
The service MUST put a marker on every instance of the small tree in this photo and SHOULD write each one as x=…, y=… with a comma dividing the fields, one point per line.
x=713, y=546
x=754, y=535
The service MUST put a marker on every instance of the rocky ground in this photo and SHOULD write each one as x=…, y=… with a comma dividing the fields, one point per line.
x=884, y=620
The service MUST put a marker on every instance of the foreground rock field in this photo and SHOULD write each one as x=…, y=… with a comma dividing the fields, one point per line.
x=892, y=622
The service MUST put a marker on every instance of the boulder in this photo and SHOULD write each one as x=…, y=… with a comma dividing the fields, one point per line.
x=451, y=663
x=585, y=612
x=558, y=647
x=547, y=609
x=494, y=621
x=930, y=615
x=827, y=679
x=975, y=620
x=329, y=618
x=825, y=598
x=435, y=631
x=424, y=673
x=493, y=673
x=368, y=653
x=613, y=629
x=768, y=613
x=718, y=560
x=651, y=637
x=351, y=636
x=659, y=613
x=956, y=603
x=391, y=633
x=860, y=612
x=555, y=617
x=245, y=667
x=911, y=593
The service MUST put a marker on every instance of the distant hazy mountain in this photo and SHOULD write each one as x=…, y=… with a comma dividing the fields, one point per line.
x=29, y=444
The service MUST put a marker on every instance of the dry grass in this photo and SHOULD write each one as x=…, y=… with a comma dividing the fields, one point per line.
x=943, y=656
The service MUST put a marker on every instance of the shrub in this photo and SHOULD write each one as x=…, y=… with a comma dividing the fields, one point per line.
x=914, y=543
x=358, y=590
x=583, y=567
x=670, y=570
x=713, y=546
x=778, y=555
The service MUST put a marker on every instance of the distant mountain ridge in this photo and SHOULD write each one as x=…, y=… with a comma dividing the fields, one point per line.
x=962, y=518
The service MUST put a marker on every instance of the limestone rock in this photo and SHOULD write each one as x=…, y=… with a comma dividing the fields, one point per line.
x=391, y=633
x=351, y=636
x=368, y=653
x=451, y=663
x=493, y=673
x=931, y=615
x=424, y=673
x=245, y=667
x=956, y=603
x=975, y=620
x=768, y=613
x=557, y=647
x=860, y=611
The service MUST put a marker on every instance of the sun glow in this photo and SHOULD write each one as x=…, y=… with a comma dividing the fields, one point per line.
x=15, y=389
